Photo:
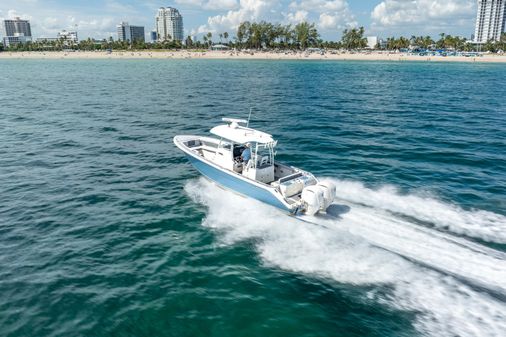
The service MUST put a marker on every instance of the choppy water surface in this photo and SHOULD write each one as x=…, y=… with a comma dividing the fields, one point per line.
x=106, y=230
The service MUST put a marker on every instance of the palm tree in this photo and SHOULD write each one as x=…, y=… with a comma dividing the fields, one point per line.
x=441, y=42
x=490, y=46
x=189, y=42
x=210, y=38
x=403, y=42
x=306, y=34
x=225, y=35
x=427, y=42
x=288, y=34
x=255, y=36
x=468, y=47
x=501, y=44
x=354, y=38
x=243, y=32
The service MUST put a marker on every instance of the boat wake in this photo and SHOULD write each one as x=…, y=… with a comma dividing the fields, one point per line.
x=455, y=286
x=479, y=224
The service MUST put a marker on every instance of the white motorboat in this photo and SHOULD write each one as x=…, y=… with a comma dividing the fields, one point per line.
x=261, y=177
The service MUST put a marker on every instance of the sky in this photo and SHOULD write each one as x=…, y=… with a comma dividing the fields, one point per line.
x=383, y=18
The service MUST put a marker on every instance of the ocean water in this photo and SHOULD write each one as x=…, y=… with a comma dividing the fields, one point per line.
x=106, y=230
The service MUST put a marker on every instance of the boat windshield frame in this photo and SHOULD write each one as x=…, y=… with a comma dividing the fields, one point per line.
x=270, y=147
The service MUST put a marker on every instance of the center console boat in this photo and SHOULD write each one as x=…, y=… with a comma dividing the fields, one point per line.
x=261, y=177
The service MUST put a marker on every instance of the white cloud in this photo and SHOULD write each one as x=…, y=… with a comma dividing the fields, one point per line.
x=320, y=5
x=210, y=4
x=197, y=3
x=51, y=23
x=199, y=30
x=399, y=12
x=248, y=10
x=220, y=4
x=297, y=17
x=12, y=13
x=331, y=14
x=327, y=21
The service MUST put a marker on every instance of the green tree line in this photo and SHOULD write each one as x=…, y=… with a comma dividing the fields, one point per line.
x=91, y=45
x=266, y=35
x=444, y=42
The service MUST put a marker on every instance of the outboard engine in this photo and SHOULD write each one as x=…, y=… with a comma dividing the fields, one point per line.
x=329, y=194
x=313, y=198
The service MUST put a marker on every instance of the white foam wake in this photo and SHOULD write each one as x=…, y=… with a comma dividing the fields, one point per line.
x=368, y=246
x=480, y=224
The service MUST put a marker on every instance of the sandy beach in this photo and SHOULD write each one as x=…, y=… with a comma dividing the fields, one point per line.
x=244, y=55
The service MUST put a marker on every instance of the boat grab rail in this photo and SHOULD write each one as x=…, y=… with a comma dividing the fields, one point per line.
x=290, y=177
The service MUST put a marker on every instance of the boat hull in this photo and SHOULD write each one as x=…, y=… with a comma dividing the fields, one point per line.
x=232, y=180
x=237, y=184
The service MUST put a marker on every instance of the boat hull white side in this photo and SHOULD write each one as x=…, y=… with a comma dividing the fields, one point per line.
x=232, y=180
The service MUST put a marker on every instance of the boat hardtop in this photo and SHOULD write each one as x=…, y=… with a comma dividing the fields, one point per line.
x=256, y=174
x=239, y=134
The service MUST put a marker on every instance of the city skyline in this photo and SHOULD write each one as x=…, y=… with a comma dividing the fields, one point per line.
x=99, y=18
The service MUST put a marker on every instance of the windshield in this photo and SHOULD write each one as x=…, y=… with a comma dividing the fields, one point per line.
x=264, y=155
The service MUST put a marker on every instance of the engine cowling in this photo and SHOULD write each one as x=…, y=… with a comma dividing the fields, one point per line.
x=329, y=194
x=313, y=198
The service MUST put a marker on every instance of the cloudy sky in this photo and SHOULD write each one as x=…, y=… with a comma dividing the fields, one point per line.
x=98, y=18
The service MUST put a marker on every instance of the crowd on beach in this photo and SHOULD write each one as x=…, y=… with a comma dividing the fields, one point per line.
x=313, y=54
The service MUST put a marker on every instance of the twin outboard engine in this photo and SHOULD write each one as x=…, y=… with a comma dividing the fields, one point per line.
x=312, y=196
x=329, y=194
x=318, y=197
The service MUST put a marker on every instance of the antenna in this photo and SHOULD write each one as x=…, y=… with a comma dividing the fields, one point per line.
x=249, y=116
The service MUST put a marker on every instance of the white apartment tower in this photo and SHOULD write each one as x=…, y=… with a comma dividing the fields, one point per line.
x=169, y=24
x=490, y=21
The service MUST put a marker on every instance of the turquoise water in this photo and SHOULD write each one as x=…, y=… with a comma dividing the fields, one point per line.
x=106, y=230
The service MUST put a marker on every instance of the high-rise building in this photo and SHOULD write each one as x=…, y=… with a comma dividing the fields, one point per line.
x=17, y=27
x=130, y=33
x=16, y=31
x=9, y=41
x=490, y=20
x=372, y=41
x=169, y=24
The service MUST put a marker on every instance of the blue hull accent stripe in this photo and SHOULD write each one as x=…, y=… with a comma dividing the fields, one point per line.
x=236, y=184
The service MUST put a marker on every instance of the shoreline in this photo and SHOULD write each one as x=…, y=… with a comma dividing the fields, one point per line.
x=242, y=55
